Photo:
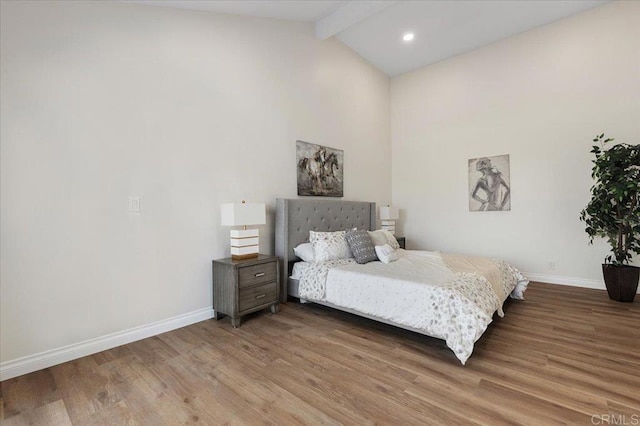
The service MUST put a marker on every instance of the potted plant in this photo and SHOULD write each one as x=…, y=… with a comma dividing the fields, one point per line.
x=614, y=213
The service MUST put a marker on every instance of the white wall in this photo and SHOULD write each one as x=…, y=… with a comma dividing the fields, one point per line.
x=541, y=97
x=187, y=110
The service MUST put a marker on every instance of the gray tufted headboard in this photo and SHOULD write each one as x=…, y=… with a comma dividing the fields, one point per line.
x=296, y=217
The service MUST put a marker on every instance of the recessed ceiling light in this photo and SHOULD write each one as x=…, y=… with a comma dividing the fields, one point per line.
x=408, y=36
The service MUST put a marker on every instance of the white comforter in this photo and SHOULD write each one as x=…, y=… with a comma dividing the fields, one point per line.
x=419, y=291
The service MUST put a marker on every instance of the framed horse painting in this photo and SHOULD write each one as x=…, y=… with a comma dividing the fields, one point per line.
x=320, y=170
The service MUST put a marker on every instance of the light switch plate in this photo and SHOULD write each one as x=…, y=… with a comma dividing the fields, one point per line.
x=134, y=204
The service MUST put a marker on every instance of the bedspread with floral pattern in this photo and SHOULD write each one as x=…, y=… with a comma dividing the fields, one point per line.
x=418, y=291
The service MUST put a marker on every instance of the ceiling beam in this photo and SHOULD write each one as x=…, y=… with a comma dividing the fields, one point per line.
x=347, y=15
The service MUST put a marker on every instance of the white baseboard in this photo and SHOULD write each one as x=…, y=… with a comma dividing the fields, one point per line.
x=575, y=282
x=31, y=363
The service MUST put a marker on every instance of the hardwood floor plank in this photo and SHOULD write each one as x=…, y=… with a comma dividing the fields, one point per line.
x=529, y=382
x=29, y=392
x=79, y=383
x=53, y=413
x=451, y=398
x=523, y=408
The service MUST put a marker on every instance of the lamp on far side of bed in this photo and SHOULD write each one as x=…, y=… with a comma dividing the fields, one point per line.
x=245, y=243
x=388, y=216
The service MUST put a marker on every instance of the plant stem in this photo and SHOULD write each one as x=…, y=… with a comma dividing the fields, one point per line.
x=620, y=236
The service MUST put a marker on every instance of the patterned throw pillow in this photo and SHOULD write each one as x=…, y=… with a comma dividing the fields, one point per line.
x=329, y=245
x=361, y=246
x=381, y=237
x=391, y=239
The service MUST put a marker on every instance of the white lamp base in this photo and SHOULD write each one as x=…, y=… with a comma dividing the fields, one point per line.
x=389, y=225
x=245, y=243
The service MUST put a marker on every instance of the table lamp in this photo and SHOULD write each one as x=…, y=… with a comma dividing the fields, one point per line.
x=245, y=243
x=388, y=216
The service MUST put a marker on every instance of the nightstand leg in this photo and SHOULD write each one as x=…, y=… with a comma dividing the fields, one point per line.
x=235, y=322
x=275, y=308
x=218, y=315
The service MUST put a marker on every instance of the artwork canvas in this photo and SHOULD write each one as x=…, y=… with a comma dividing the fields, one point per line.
x=489, y=184
x=320, y=170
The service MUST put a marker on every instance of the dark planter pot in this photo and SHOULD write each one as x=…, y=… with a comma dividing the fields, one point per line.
x=621, y=281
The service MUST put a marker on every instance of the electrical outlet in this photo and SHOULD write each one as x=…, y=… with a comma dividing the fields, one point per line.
x=551, y=265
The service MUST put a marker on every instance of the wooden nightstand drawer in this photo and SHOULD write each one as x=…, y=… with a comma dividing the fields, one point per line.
x=256, y=274
x=258, y=295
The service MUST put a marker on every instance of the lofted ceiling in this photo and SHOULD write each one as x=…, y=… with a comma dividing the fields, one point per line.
x=374, y=29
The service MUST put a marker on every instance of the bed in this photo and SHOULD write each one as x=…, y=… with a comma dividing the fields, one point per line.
x=447, y=296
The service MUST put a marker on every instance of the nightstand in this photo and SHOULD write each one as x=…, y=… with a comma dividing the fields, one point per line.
x=244, y=286
x=402, y=242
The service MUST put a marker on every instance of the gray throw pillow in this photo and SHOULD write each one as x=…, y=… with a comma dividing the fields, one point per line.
x=361, y=246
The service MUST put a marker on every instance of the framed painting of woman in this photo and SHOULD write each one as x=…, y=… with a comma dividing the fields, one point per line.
x=489, y=186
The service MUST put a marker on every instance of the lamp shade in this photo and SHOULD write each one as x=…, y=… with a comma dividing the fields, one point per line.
x=239, y=214
x=389, y=213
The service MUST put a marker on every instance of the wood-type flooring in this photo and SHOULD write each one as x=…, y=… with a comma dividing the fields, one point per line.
x=566, y=355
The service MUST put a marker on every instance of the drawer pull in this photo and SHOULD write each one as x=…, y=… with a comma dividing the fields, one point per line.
x=259, y=274
x=261, y=296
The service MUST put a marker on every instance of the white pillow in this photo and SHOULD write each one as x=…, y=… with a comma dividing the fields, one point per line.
x=305, y=252
x=330, y=245
x=381, y=237
x=386, y=253
x=391, y=239
x=378, y=237
x=521, y=287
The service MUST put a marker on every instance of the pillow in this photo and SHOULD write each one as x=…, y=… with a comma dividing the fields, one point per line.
x=329, y=245
x=518, y=291
x=378, y=237
x=391, y=239
x=305, y=252
x=381, y=237
x=386, y=253
x=361, y=246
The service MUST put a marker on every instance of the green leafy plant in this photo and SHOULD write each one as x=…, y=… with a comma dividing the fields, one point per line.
x=613, y=212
